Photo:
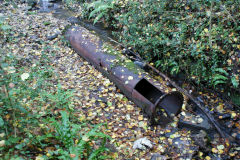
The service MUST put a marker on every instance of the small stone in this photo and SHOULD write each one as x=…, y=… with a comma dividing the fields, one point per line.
x=52, y=37
x=142, y=143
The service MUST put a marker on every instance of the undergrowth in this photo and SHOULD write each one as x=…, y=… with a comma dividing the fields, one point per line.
x=198, y=40
x=37, y=118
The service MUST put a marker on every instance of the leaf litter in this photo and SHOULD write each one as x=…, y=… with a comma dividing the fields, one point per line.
x=97, y=100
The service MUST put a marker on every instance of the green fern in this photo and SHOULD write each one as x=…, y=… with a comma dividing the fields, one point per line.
x=103, y=8
x=66, y=132
x=97, y=152
x=100, y=8
x=220, y=70
x=220, y=77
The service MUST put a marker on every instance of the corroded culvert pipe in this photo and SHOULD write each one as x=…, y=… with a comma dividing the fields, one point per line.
x=128, y=77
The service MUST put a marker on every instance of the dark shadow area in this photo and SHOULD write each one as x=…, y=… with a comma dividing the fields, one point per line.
x=172, y=103
x=147, y=90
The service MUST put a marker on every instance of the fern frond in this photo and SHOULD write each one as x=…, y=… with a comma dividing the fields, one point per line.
x=102, y=8
x=94, y=4
x=218, y=82
x=219, y=77
x=97, y=152
x=98, y=17
x=220, y=70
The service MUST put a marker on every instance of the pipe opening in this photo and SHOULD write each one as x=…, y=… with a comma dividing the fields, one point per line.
x=167, y=107
x=172, y=103
x=147, y=90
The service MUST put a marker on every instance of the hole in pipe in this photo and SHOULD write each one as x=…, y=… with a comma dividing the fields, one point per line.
x=147, y=90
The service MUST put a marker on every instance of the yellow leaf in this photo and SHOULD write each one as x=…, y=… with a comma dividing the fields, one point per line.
x=76, y=141
x=90, y=114
x=140, y=118
x=113, y=136
x=82, y=118
x=129, y=107
x=233, y=115
x=130, y=78
x=206, y=30
x=232, y=154
x=7, y=116
x=39, y=157
x=214, y=150
x=162, y=138
x=220, y=151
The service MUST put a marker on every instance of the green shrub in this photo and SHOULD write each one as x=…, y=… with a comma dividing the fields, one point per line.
x=197, y=38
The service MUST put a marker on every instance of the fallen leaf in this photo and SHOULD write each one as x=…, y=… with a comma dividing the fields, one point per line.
x=2, y=143
x=214, y=150
x=85, y=138
x=220, y=147
x=130, y=78
x=24, y=76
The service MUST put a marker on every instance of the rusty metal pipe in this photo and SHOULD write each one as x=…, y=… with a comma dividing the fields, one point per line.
x=134, y=82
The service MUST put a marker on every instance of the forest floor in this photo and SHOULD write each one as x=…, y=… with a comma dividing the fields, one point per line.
x=97, y=100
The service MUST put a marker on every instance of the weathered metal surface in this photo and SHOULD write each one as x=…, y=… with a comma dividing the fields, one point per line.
x=132, y=81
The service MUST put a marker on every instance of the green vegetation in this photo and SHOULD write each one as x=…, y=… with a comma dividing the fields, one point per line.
x=120, y=60
x=197, y=39
x=37, y=116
